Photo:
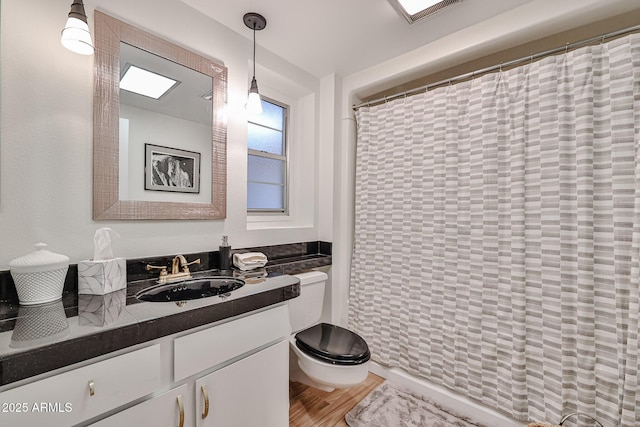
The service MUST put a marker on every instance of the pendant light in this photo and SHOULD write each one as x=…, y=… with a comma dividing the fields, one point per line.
x=75, y=35
x=256, y=22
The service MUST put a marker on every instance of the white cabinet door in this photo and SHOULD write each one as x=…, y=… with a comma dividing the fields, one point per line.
x=253, y=391
x=165, y=410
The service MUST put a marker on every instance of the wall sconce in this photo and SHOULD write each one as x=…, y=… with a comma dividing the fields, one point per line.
x=256, y=22
x=75, y=35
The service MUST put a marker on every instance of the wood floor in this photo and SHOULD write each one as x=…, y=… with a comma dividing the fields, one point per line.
x=310, y=407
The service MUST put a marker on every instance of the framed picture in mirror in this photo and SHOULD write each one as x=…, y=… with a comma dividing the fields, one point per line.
x=171, y=169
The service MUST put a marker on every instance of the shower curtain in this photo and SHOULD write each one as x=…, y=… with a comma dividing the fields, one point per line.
x=497, y=235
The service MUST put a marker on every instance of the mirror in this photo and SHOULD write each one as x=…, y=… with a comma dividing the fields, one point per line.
x=161, y=158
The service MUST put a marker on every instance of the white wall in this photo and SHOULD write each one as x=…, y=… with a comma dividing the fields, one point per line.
x=526, y=23
x=46, y=134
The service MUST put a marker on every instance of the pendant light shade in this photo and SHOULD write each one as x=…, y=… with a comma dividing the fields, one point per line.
x=254, y=103
x=256, y=22
x=75, y=35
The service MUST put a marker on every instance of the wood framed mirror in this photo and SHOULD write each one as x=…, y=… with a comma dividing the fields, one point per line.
x=183, y=175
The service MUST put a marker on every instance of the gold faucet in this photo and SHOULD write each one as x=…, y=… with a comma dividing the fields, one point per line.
x=176, y=274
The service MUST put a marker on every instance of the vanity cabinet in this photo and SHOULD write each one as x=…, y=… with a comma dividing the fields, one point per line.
x=247, y=387
x=234, y=373
x=72, y=397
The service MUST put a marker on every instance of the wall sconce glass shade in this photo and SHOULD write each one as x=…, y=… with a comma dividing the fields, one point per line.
x=75, y=35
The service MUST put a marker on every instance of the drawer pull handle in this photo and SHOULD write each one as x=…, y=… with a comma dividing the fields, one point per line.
x=181, y=408
x=92, y=389
x=205, y=395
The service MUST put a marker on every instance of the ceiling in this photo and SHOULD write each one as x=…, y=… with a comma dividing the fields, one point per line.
x=345, y=36
x=184, y=101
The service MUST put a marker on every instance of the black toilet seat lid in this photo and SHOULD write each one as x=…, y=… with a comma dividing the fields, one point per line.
x=333, y=344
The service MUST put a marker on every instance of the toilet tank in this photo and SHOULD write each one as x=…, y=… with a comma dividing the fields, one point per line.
x=306, y=309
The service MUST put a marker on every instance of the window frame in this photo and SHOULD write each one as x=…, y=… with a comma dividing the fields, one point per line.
x=263, y=154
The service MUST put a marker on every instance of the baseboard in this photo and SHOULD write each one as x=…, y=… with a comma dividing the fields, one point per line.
x=445, y=397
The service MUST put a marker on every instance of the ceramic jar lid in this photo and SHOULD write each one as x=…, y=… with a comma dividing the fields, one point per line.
x=39, y=260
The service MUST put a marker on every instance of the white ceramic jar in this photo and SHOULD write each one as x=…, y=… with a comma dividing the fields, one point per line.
x=39, y=276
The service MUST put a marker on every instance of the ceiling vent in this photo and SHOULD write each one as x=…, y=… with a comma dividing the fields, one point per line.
x=414, y=10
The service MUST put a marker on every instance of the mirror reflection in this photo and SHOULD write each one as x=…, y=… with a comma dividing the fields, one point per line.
x=175, y=120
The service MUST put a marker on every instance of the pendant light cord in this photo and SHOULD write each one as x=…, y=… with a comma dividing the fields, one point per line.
x=254, y=50
x=255, y=22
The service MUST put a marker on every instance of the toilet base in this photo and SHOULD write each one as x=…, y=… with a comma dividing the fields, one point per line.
x=303, y=369
x=297, y=375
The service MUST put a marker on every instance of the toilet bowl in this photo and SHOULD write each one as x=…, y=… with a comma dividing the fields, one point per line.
x=322, y=355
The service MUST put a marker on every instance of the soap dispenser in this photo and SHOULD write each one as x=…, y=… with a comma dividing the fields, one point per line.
x=225, y=254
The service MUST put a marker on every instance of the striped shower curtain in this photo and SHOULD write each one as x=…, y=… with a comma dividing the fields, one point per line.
x=497, y=235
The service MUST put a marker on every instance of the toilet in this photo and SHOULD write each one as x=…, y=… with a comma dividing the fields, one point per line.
x=322, y=355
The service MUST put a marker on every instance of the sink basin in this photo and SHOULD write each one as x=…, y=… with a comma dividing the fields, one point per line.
x=191, y=289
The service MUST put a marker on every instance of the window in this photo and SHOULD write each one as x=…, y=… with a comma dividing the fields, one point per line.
x=267, y=162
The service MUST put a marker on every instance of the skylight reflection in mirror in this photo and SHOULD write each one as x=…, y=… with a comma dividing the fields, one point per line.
x=146, y=83
x=414, y=10
x=414, y=6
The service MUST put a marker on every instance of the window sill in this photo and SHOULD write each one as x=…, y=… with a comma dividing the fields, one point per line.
x=273, y=221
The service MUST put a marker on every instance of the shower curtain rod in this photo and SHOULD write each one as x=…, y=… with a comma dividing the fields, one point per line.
x=486, y=70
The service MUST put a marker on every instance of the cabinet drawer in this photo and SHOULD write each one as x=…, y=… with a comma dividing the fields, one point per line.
x=65, y=399
x=161, y=411
x=204, y=349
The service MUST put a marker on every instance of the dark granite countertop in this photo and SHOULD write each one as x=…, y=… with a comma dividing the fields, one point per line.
x=41, y=338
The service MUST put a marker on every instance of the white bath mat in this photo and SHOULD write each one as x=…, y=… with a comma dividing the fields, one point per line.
x=388, y=406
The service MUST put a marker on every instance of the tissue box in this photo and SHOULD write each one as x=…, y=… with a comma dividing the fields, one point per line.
x=102, y=277
x=101, y=310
